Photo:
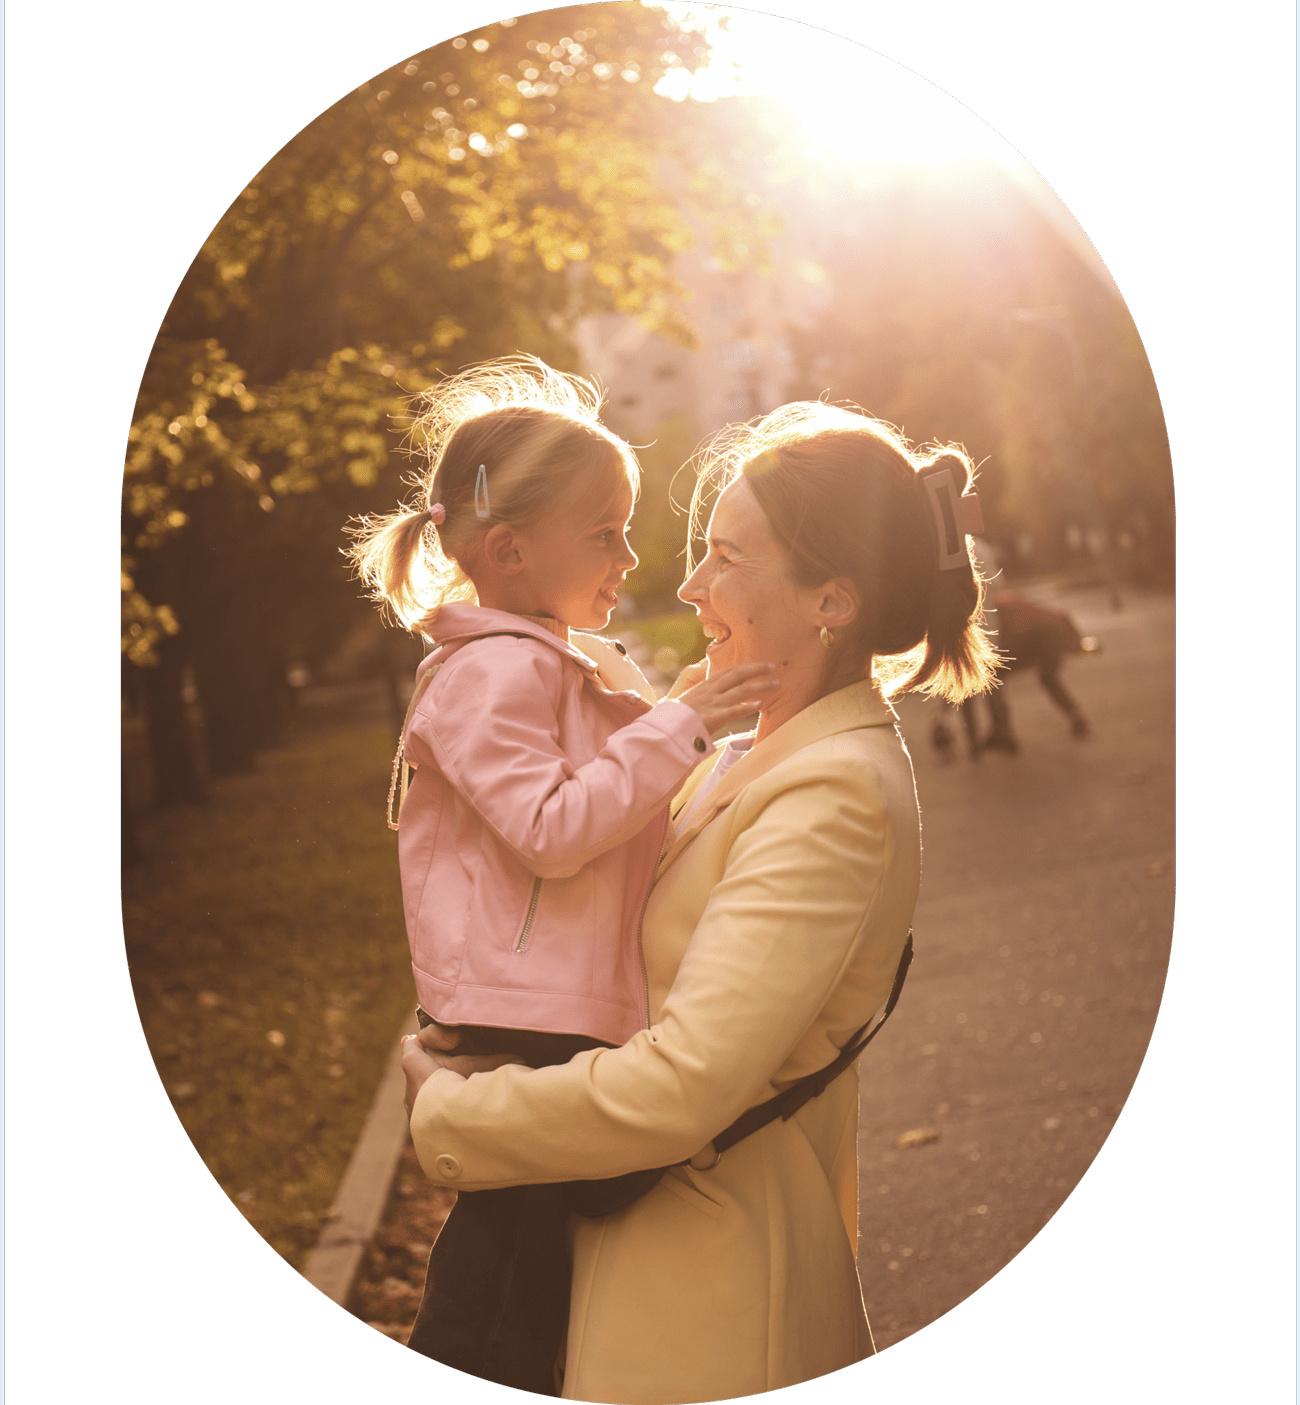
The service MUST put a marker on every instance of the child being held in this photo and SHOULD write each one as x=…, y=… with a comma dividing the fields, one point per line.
x=538, y=807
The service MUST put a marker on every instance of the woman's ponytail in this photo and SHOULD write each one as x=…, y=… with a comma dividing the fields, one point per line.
x=959, y=659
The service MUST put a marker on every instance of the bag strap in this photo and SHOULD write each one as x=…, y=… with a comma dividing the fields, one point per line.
x=786, y=1104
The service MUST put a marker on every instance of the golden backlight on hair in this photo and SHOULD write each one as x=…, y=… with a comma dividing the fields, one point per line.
x=533, y=432
x=841, y=495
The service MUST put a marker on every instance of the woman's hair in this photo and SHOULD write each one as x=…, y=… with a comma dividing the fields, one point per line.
x=536, y=434
x=843, y=496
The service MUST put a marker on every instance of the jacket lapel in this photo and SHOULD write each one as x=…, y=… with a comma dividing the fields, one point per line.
x=858, y=705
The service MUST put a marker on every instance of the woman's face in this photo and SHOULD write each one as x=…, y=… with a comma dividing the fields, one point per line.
x=748, y=605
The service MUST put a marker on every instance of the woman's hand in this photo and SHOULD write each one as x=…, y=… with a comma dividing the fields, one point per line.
x=425, y=1053
x=735, y=693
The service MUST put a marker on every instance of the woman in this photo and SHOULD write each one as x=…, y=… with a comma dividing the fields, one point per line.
x=774, y=931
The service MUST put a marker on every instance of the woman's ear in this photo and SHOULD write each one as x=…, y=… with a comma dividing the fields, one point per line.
x=837, y=604
x=501, y=550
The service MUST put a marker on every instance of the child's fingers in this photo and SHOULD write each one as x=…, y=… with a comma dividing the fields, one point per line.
x=465, y=1064
x=749, y=688
x=738, y=673
x=439, y=1037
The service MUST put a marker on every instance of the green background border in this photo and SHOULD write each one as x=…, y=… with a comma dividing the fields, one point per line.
x=1168, y=131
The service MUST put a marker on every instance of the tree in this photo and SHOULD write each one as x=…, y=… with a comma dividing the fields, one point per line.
x=474, y=200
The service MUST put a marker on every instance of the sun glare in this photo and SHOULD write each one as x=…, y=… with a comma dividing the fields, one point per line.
x=855, y=105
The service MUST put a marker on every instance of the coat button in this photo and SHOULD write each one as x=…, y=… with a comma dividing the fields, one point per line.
x=619, y=647
x=701, y=745
x=447, y=1167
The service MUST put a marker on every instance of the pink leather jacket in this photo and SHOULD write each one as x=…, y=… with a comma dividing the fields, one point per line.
x=533, y=825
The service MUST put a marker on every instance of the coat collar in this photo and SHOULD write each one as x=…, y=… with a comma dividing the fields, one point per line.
x=458, y=624
x=858, y=705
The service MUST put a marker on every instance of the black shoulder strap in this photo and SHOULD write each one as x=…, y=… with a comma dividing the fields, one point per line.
x=786, y=1104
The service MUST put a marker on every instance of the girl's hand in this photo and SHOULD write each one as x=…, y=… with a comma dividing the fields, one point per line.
x=425, y=1053
x=734, y=693
x=692, y=674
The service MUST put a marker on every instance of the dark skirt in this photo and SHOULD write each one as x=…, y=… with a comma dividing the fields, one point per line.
x=496, y=1295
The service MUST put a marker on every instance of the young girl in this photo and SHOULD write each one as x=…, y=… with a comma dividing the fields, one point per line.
x=538, y=808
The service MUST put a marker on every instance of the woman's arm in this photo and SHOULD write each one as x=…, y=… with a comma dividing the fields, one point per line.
x=783, y=934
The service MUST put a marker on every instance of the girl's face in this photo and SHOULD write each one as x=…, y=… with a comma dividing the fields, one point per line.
x=748, y=605
x=575, y=559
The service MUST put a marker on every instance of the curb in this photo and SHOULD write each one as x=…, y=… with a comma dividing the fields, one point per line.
x=363, y=1192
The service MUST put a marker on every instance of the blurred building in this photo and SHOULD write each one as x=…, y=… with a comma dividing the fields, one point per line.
x=742, y=366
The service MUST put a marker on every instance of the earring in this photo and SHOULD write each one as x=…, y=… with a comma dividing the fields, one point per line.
x=827, y=638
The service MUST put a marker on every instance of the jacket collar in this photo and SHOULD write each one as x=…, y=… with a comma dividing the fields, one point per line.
x=458, y=624
x=858, y=705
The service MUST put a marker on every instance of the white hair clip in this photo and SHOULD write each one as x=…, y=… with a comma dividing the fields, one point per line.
x=482, y=507
x=956, y=515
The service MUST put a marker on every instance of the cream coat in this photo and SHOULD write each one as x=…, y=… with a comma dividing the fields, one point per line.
x=772, y=934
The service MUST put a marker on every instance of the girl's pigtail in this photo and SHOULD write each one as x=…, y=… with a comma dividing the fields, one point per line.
x=959, y=658
x=400, y=560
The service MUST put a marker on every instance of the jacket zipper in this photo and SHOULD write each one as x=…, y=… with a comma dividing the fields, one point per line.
x=640, y=922
x=532, y=912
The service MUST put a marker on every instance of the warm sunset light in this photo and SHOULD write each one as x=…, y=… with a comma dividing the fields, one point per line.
x=453, y=353
x=855, y=104
x=856, y=107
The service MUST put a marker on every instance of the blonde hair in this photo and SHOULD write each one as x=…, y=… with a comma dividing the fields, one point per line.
x=537, y=435
x=842, y=494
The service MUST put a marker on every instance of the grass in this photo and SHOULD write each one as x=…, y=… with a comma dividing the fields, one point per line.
x=268, y=954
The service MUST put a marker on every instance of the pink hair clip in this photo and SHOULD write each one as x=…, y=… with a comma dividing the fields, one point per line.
x=437, y=514
x=956, y=515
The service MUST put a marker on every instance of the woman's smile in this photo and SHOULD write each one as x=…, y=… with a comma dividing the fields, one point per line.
x=749, y=608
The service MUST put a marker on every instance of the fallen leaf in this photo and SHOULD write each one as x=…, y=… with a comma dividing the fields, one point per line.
x=918, y=1136
x=1157, y=868
x=183, y=1090
x=275, y=1037
x=209, y=999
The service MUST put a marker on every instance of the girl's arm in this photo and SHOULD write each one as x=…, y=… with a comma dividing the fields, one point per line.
x=489, y=722
x=795, y=921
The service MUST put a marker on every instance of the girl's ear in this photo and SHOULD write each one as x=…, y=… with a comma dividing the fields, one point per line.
x=837, y=603
x=501, y=550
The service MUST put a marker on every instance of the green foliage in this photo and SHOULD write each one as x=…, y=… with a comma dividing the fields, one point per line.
x=679, y=631
x=475, y=200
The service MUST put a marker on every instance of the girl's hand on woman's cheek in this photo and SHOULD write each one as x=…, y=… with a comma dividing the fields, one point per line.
x=692, y=674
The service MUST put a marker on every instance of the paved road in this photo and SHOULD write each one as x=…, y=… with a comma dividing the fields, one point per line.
x=1042, y=937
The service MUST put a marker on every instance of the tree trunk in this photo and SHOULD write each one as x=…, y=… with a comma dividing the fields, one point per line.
x=171, y=747
x=131, y=851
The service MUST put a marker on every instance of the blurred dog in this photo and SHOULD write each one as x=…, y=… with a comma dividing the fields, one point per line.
x=1030, y=636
